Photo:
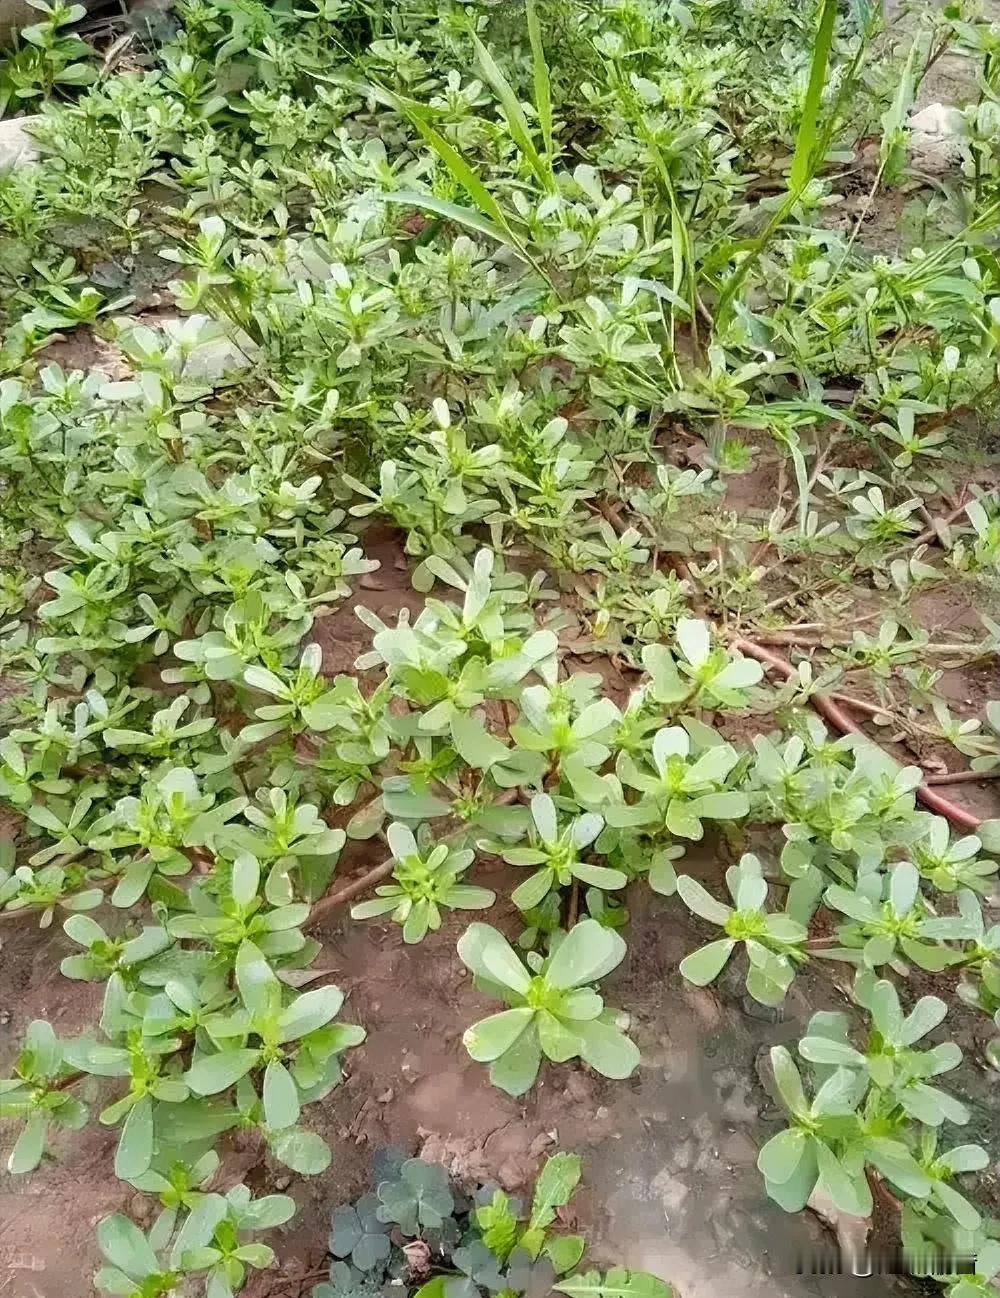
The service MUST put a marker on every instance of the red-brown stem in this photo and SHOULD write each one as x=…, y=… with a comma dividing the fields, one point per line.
x=839, y=719
x=862, y=705
x=573, y=911
x=823, y=704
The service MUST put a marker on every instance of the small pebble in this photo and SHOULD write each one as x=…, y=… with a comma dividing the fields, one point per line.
x=140, y=1208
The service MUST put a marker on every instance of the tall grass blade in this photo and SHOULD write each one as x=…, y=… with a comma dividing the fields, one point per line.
x=804, y=159
x=540, y=75
x=463, y=173
x=813, y=155
x=455, y=212
x=517, y=123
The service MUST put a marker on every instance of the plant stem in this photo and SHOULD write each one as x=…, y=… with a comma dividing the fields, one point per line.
x=861, y=705
x=963, y=777
x=573, y=910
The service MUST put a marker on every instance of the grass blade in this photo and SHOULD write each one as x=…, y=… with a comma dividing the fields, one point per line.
x=540, y=74
x=517, y=123
x=466, y=216
x=463, y=173
x=804, y=158
x=490, y=219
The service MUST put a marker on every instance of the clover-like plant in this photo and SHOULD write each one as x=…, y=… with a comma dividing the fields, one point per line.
x=425, y=880
x=774, y=943
x=418, y=1199
x=553, y=1009
x=357, y=1232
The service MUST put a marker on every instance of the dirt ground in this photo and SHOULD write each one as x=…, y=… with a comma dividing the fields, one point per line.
x=670, y=1183
x=669, y=1178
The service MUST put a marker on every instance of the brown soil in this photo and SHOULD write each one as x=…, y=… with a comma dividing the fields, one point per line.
x=669, y=1156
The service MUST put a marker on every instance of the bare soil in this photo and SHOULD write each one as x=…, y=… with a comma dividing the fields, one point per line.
x=670, y=1182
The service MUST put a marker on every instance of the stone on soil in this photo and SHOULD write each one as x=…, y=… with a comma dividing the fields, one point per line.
x=18, y=148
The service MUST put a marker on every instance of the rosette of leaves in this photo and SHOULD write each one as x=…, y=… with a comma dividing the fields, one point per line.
x=774, y=943
x=418, y=1199
x=949, y=865
x=214, y=1237
x=425, y=880
x=843, y=803
x=572, y=727
x=896, y=1068
x=296, y=1044
x=897, y=1071
x=553, y=1009
x=34, y=1094
x=357, y=1232
x=677, y=790
x=941, y=1169
x=212, y=1243
x=556, y=850
x=232, y=911
x=821, y=1146
x=890, y=921
x=696, y=673
x=980, y=960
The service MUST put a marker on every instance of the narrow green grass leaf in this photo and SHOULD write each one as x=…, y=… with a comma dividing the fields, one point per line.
x=517, y=123
x=466, y=216
x=542, y=83
x=805, y=157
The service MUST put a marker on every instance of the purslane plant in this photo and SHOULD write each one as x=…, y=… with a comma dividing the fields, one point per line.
x=554, y=1011
x=556, y=851
x=774, y=942
x=425, y=881
x=196, y=508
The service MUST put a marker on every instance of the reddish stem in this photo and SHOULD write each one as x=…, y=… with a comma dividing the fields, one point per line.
x=574, y=905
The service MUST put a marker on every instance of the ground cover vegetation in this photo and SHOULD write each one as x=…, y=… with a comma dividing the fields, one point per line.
x=536, y=287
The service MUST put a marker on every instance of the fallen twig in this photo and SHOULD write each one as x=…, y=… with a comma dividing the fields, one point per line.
x=933, y=533
x=963, y=777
